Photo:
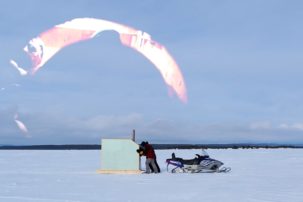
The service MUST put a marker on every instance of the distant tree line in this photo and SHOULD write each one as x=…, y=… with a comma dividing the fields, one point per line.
x=51, y=147
x=224, y=146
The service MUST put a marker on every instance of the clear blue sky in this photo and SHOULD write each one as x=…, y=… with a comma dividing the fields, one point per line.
x=241, y=60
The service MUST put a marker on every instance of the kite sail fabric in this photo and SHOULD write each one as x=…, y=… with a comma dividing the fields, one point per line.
x=48, y=43
x=20, y=124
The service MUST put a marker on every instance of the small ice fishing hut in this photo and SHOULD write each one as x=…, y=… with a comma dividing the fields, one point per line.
x=119, y=156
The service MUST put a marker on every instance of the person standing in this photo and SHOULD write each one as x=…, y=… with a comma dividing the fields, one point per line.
x=150, y=162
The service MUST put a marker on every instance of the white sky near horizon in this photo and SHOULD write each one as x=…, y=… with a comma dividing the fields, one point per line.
x=241, y=60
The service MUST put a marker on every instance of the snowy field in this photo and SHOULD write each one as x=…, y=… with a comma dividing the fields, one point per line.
x=258, y=175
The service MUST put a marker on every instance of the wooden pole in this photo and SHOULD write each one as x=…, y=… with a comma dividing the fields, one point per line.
x=134, y=135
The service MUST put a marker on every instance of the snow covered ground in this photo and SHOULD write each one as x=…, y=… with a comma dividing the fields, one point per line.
x=258, y=175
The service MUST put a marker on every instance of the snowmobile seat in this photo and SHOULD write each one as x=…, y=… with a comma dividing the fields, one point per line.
x=194, y=161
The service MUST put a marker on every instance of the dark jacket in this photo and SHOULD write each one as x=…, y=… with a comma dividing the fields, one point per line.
x=149, y=151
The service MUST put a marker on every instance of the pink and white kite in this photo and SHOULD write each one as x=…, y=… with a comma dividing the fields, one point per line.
x=48, y=43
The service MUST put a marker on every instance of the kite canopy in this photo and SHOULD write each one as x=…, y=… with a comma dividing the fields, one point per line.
x=47, y=44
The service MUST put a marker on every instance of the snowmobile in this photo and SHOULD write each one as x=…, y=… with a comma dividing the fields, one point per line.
x=200, y=164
